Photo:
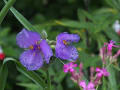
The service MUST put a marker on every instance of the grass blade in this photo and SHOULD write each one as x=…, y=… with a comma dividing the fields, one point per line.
x=3, y=76
x=5, y=9
x=21, y=18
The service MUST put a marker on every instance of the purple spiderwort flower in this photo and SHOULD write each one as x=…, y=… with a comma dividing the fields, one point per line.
x=63, y=48
x=90, y=85
x=69, y=67
x=38, y=49
x=102, y=72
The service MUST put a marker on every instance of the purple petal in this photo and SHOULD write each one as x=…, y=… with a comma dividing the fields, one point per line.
x=66, y=52
x=67, y=37
x=27, y=38
x=46, y=50
x=32, y=60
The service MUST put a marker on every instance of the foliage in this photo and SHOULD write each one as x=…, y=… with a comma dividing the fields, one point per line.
x=93, y=23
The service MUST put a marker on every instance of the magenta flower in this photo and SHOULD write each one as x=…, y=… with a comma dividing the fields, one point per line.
x=102, y=72
x=64, y=49
x=110, y=45
x=69, y=67
x=90, y=85
x=38, y=49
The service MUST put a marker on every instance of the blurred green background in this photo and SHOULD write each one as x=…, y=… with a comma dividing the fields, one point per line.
x=91, y=19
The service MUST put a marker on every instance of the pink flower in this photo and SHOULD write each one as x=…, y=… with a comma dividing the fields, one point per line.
x=90, y=85
x=69, y=67
x=101, y=72
x=109, y=47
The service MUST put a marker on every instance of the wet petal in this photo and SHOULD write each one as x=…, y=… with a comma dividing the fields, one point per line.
x=66, y=52
x=46, y=50
x=32, y=60
x=27, y=38
x=67, y=37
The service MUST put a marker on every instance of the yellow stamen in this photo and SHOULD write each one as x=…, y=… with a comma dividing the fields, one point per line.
x=65, y=42
x=31, y=47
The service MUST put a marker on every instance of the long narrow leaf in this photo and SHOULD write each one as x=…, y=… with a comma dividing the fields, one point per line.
x=3, y=76
x=112, y=79
x=30, y=74
x=5, y=9
x=21, y=18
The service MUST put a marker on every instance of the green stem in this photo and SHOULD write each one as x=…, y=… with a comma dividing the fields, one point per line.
x=5, y=9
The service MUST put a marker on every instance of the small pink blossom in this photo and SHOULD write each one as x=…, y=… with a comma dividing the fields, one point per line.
x=90, y=85
x=102, y=72
x=110, y=45
x=69, y=67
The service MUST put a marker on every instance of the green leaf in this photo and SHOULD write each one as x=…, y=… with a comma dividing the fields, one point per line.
x=49, y=81
x=28, y=85
x=76, y=24
x=81, y=17
x=5, y=9
x=30, y=74
x=21, y=19
x=3, y=76
x=112, y=79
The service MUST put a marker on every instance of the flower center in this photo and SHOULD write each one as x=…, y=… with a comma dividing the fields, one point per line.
x=31, y=47
x=35, y=47
x=65, y=42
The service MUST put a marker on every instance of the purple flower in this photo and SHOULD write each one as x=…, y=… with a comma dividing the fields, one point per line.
x=102, y=72
x=90, y=85
x=38, y=49
x=69, y=67
x=64, y=49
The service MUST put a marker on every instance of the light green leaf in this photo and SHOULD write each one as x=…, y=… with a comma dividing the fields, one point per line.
x=76, y=24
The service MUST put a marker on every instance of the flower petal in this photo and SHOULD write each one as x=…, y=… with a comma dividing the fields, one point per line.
x=67, y=37
x=83, y=84
x=98, y=69
x=46, y=50
x=27, y=38
x=66, y=52
x=32, y=60
x=90, y=85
